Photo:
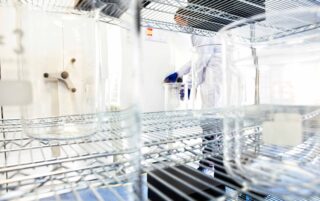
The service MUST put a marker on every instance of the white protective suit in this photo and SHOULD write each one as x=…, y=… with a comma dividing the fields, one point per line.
x=206, y=69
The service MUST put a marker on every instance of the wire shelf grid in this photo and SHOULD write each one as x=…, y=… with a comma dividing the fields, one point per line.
x=204, y=17
x=98, y=167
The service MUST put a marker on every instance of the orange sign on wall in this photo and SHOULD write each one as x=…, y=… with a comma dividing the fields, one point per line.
x=149, y=32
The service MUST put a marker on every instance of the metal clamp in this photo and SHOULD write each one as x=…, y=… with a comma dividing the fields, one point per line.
x=64, y=77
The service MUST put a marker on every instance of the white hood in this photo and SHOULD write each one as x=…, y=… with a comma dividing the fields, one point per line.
x=206, y=45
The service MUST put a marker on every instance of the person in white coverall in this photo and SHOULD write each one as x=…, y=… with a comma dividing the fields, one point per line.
x=206, y=69
x=207, y=77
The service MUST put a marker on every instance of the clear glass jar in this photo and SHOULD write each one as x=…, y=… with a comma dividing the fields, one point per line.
x=120, y=60
x=77, y=68
x=56, y=55
x=271, y=141
x=57, y=51
x=174, y=96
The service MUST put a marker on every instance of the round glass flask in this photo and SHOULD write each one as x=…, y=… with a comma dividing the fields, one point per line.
x=272, y=135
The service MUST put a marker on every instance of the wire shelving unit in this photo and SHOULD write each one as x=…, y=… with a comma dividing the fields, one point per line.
x=204, y=17
x=96, y=167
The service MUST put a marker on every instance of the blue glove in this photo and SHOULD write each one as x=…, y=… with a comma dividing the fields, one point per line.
x=171, y=78
x=182, y=94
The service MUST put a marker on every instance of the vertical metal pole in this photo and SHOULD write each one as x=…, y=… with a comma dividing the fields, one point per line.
x=256, y=64
x=3, y=134
x=257, y=81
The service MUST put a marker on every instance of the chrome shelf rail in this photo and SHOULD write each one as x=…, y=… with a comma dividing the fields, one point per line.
x=97, y=167
x=205, y=17
x=108, y=12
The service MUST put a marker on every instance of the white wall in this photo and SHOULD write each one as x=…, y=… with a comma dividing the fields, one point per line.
x=49, y=46
x=7, y=72
x=163, y=53
x=50, y=41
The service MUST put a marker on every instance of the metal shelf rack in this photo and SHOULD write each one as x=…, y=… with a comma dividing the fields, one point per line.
x=107, y=12
x=94, y=168
x=205, y=17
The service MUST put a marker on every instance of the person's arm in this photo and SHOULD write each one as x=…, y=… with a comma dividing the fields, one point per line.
x=185, y=69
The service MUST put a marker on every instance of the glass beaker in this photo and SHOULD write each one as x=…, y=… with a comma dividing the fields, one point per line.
x=57, y=53
x=120, y=58
x=63, y=68
x=174, y=96
x=77, y=65
x=272, y=137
